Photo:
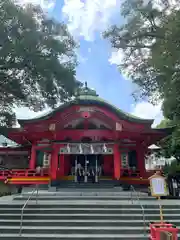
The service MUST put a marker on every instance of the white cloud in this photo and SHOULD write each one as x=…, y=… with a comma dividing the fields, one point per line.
x=85, y=18
x=45, y=4
x=26, y=113
x=116, y=57
x=148, y=111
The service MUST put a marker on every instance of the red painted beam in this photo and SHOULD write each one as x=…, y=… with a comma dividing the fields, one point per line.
x=79, y=134
x=28, y=182
x=94, y=134
x=36, y=134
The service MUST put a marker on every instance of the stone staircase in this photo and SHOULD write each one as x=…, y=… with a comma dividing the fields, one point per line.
x=88, y=185
x=82, y=214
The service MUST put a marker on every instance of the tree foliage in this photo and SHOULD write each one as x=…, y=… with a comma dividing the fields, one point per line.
x=149, y=43
x=172, y=169
x=37, y=60
x=170, y=144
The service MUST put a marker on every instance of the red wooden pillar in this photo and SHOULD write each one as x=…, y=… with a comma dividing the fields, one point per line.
x=32, y=162
x=54, y=162
x=117, y=162
x=141, y=160
x=62, y=161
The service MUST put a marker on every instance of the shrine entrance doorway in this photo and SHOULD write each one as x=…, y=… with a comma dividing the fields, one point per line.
x=90, y=165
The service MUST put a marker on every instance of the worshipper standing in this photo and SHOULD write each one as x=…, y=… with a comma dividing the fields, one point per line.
x=38, y=170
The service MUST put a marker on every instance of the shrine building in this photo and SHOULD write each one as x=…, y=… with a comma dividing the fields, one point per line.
x=87, y=131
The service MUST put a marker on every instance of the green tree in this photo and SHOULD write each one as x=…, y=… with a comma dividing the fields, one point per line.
x=172, y=169
x=149, y=42
x=170, y=144
x=37, y=60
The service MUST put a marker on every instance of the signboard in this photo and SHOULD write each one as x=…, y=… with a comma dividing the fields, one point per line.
x=158, y=186
x=124, y=160
x=87, y=109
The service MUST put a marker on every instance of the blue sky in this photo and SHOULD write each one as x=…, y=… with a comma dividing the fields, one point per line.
x=94, y=67
x=86, y=20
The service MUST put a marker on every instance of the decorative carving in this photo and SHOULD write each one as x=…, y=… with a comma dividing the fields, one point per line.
x=86, y=114
x=87, y=149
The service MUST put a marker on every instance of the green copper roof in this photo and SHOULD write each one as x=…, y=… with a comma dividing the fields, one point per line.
x=88, y=97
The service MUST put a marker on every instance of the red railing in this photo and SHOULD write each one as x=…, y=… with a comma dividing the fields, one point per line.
x=130, y=173
x=4, y=174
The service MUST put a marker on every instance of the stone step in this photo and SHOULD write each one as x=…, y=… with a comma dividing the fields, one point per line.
x=72, y=229
x=91, y=204
x=86, y=186
x=76, y=204
x=102, y=210
x=87, y=193
x=77, y=189
x=83, y=197
x=73, y=236
x=87, y=216
x=87, y=204
x=91, y=223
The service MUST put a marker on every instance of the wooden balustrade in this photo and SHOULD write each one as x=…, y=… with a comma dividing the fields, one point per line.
x=4, y=174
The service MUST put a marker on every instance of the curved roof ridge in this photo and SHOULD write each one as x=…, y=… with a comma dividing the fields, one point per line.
x=118, y=109
x=88, y=100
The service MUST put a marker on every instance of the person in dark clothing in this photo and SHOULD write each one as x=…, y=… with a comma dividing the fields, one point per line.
x=92, y=175
x=19, y=189
x=82, y=175
x=78, y=173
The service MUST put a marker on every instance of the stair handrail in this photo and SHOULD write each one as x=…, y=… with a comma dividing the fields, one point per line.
x=142, y=208
x=36, y=189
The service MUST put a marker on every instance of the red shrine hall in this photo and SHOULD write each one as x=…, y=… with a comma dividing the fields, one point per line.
x=86, y=131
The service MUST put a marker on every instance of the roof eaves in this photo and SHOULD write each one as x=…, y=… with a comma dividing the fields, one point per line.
x=85, y=99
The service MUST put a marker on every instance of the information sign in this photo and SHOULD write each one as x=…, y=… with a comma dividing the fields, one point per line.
x=158, y=186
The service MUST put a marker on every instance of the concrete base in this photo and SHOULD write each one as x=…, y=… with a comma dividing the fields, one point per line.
x=52, y=189
x=54, y=183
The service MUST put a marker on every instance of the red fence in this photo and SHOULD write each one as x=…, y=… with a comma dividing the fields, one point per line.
x=4, y=174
